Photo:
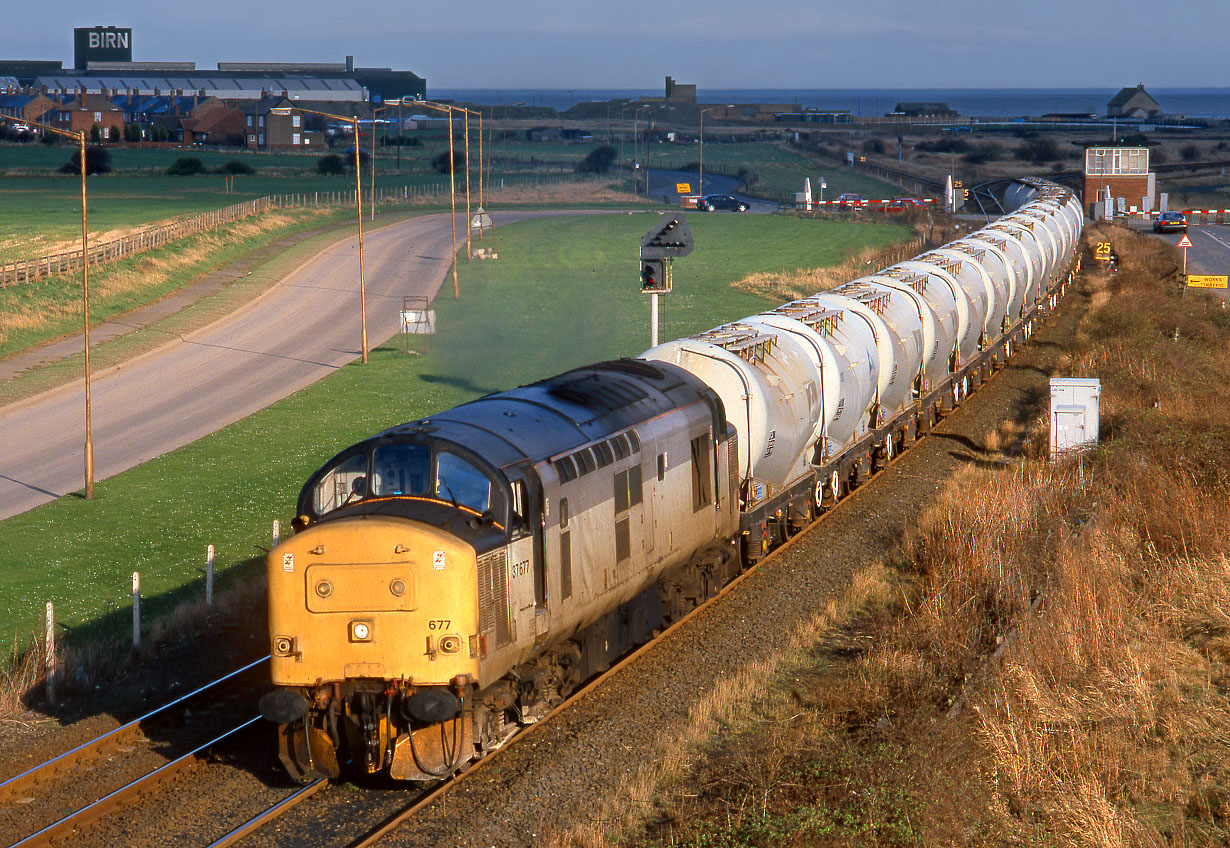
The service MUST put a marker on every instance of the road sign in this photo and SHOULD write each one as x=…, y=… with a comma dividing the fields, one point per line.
x=683, y=188
x=1206, y=281
x=1185, y=241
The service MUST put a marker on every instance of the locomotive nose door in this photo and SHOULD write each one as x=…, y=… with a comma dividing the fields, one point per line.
x=527, y=541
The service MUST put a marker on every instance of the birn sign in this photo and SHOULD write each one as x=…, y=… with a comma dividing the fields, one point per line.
x=101, y=44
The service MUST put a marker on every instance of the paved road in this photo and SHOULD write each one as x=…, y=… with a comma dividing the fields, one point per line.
x=662, y=186
x=1209, y=253
x=300, y=331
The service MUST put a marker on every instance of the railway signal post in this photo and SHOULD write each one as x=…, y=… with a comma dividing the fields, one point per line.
x=669, y=238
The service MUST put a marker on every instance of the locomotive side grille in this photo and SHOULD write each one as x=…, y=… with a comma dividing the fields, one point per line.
x=732, y=470
x=493, y=596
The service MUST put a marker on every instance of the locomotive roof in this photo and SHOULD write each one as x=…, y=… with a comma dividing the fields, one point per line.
x=560, y=413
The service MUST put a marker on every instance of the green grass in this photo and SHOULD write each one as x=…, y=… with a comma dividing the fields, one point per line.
x=774, y=171
x=64, y=292
x=37, y=212
x=564, y=292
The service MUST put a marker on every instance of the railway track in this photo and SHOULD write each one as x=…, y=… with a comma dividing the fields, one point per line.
x=76, y=774
x=421, y=802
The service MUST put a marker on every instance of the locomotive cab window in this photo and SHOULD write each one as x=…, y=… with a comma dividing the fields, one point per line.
x=460, y=482
x=343, y=484
x=400, y=470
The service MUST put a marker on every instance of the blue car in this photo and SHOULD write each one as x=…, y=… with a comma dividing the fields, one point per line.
x=714, y=202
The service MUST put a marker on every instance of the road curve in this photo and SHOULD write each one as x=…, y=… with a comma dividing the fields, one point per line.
x=301, y=330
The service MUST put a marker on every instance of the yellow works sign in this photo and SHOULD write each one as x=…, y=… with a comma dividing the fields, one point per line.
x=683, y=188
x=1206, y=281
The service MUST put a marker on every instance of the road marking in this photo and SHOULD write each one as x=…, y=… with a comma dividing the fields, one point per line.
x=1224, y=244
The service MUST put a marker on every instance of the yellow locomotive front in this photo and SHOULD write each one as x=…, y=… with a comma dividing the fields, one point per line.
x=373, y=614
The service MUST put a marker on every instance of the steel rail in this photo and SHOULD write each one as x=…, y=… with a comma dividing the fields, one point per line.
x=442, y=787
x=93, y=747
x=97, y=809
x=853, y=495
x=270, y=814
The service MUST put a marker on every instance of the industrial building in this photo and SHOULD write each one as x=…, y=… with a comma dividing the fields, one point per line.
x=229, y=104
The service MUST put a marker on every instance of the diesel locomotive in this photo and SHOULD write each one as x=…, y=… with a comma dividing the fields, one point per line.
x=453, y=578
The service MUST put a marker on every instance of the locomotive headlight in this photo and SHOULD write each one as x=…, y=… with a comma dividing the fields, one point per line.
x=450, y=644
x=284, y=646
x=398, y=587
x=324, y=588
x=360, y=631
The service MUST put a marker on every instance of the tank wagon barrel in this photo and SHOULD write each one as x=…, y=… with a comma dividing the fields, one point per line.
x=453, y=578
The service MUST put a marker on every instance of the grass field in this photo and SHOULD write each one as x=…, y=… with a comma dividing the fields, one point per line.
x=564, y=292
x=40, y=213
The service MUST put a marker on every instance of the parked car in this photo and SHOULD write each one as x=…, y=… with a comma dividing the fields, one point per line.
x=714, y=202
x=901, y=204
x=1170, y=222
x=851, y=201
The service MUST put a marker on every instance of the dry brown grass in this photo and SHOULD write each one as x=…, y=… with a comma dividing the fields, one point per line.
x=787, y=286
x=81, y=666
x=32, y=245
x=1054, y=665
x=589, y=191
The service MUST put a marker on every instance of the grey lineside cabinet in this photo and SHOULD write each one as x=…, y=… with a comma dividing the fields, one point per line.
x=1074, y=414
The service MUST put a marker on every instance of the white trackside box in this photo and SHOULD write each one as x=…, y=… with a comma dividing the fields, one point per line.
x=1074, y=413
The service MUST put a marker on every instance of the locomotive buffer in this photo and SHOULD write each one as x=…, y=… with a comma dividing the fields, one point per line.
x=669, y=238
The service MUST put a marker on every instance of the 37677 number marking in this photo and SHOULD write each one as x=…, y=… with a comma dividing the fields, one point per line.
x=440, y=624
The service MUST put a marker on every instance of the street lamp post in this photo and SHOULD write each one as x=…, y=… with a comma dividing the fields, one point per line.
x=85, y=297
x=700, y=178
x=452, y=186
x=358, y=200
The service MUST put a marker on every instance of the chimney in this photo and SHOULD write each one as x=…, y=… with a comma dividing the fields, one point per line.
x=350, y=64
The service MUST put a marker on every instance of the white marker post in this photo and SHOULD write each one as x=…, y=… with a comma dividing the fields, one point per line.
x=209, y=576
x=49, y=651
x=136, y=610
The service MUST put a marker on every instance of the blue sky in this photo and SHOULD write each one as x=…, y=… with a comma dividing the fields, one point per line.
x=635, y=43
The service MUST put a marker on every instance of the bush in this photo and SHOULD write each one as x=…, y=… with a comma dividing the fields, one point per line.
x=96, y=134
x=235, y=166
x=1039, y=150
x=1190, y=153
x=113, y=134
x=943, y=145
x=440, y=163
x=874, y=145
x=158, y=133
x=132, y=132
x=331, y=165
x=598, y=160
x=187, y=166
x=97, y=161
x=984, y=152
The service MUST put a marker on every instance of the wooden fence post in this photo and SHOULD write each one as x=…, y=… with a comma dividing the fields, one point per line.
x=49, y=652
x=209, y=576
x=136, y=610
x=277, y=532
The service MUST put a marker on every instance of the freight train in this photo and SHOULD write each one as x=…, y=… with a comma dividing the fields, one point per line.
x=453, y=578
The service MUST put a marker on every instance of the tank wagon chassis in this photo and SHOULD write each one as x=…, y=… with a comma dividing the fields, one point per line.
x=453, y=579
